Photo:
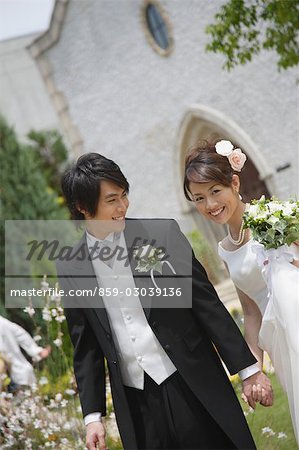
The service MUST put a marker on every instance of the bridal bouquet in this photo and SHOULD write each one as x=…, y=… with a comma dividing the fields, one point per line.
x=273, y=223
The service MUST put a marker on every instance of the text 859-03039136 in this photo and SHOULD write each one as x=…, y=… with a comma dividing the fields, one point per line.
x=140, y=292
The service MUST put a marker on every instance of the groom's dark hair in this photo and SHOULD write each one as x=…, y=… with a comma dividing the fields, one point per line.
x=81, y=185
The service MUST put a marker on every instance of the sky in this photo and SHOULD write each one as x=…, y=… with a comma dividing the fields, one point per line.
x=23, y=17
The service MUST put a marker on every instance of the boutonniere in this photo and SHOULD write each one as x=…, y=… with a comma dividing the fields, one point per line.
x=150, y=258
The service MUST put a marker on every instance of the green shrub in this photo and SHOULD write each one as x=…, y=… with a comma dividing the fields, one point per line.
x=24, y=194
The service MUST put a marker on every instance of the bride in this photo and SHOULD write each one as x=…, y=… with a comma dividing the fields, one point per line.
x=212, y=183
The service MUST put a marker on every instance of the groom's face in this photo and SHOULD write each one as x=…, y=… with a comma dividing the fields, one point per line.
x=112, y=207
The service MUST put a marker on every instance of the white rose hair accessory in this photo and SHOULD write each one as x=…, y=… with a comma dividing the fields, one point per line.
x=235, y=156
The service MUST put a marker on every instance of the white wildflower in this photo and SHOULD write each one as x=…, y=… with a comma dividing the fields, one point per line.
x=37, y=423
x=43, y=381
x=57, y=342
x=44, y=285
x=52, y=404
x=28, y=444
x=45, y=433
x=67, y=426
x=54, y=428
x=281, y=435
x=58, y=397
x=37, y=338
x=60, y=319
x=46, y=313
x=70, y=392
x=29, y=310
x=268, y=431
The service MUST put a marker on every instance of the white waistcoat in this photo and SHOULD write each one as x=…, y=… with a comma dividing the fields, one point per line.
x=138, y=348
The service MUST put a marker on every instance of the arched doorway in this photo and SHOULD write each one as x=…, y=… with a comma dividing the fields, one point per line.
x=201, y=122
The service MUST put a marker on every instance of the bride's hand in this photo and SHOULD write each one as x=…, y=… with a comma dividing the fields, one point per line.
x=262, y=394
x=257, y=389
x=295, y=263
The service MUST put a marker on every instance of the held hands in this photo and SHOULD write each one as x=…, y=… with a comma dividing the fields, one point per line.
x=257, y=389
x=95, y=436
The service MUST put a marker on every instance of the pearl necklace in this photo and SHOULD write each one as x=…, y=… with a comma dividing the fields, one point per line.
x=241, y=235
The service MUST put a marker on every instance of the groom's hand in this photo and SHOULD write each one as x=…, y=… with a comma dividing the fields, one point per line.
x=95, y=436
x=258, y=389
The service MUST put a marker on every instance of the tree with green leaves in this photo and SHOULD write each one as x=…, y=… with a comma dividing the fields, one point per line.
x=51, y=154
x=24, y=192
x=245, y=27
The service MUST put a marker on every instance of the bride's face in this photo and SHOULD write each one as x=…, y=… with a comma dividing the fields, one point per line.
x=215, y=201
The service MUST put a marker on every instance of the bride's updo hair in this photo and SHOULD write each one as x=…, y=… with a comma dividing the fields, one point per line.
x=203, y=165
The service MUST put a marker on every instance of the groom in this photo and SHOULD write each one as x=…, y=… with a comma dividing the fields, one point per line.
x=169, y=387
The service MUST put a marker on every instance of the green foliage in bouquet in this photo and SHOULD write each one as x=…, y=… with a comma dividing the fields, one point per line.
x=273, y=223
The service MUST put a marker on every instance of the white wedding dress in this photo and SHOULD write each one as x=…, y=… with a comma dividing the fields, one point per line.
x=279, y=333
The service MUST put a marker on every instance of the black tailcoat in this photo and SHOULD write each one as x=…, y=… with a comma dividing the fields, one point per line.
x=189, y=335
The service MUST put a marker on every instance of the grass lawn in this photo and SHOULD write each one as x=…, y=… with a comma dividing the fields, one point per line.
x=277, y=418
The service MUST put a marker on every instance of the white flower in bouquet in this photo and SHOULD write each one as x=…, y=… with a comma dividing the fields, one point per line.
x=273, y=223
